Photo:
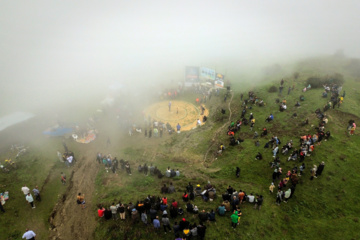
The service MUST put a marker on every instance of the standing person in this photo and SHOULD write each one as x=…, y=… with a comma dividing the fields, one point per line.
x=150, y=132
x=259, y=202
x=29, y=235
x=169, y=106
x=237, y=171
x=275, y=151
x=1, y=207
x=29, y=198
x=37, y=194
x=166, y=223
x=234, y=219
x=122, y=212
x=113, y=210
x=289, y=90
x=201, y=230
x=144, y=218
x=63, y=178
x=279, y=197
x=313, y=172
x=81, y=200
x=127, y=167
x=156, y=223
x=302, y=167
x=25, y=190
x=320, y=169
x=178, y=127
x=145, y=169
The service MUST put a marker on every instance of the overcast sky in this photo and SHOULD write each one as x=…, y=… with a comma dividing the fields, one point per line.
x=50, y=48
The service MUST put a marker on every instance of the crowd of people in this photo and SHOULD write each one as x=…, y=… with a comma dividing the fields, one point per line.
x=156, y=212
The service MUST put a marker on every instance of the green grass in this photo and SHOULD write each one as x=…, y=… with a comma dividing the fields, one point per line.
x=319, y=208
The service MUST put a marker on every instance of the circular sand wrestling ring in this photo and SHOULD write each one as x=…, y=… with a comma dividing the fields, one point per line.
x=181, y=112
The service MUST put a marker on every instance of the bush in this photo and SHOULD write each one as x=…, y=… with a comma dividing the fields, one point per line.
x=296, y=75
x=273, y=89
x=318, y=82
x=315, y=82
x=336, y=78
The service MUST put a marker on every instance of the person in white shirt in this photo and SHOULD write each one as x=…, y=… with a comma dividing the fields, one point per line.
x=25, y=190
x=199, y=122
x=29, y=235
x=69, y=160
x=251, y=198
x=30, y=200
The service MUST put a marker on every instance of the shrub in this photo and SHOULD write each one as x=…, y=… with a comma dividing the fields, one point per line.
x=318, y=82
x=315, y=82
x=336, y=78
x=296, y=75
x=273, y=89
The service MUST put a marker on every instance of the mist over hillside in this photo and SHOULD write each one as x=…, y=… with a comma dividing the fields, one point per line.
x=55, y=54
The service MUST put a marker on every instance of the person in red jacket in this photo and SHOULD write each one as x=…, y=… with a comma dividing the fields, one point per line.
x=185, y=197
x=101, y=211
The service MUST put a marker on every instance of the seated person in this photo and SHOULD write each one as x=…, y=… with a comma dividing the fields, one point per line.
x=259, y=156
x=140, y=168
x=293, y=156
x=324, y=94
x=211, y=193
x=185, y=197
x=284, y=149
x=232, y=141
x=297, y=104
x=221, y=148
x=196, y=210
x=327, y=135
x=189, y=207
x=269, y=118
x=239, y=140
x=180, y=211
x=226, y=196
x=264, y=133
x=251, y=198
x=305, y=122
x=198, y=190
x=302, y=98
x=204, y=118
x=164, y=189
x=221, y=210
x=211, y=216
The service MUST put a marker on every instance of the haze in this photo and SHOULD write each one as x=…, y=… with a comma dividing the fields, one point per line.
x=54, y=52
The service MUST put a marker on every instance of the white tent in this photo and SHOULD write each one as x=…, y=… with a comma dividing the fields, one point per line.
x=14, y=118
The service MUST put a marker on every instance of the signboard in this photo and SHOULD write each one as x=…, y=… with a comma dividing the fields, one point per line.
x=191, y=76
x=220, y=77
x=207, y=73
x=219, y=80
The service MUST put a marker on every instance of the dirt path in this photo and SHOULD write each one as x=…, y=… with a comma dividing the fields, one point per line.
x=220, y=129
x=68, y=220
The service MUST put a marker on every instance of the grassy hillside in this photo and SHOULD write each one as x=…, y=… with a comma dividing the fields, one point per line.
x=319, y=208
x=324, y=208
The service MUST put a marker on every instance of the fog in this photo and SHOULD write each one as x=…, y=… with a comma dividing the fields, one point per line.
x=56, y=52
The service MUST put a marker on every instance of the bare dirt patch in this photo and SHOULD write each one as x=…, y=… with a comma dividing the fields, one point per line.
x=68, y=220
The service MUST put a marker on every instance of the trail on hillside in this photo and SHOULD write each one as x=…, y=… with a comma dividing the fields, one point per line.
x=68, y=220
x=221, y=128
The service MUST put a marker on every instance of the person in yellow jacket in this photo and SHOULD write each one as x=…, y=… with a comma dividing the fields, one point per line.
x=271, y=188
